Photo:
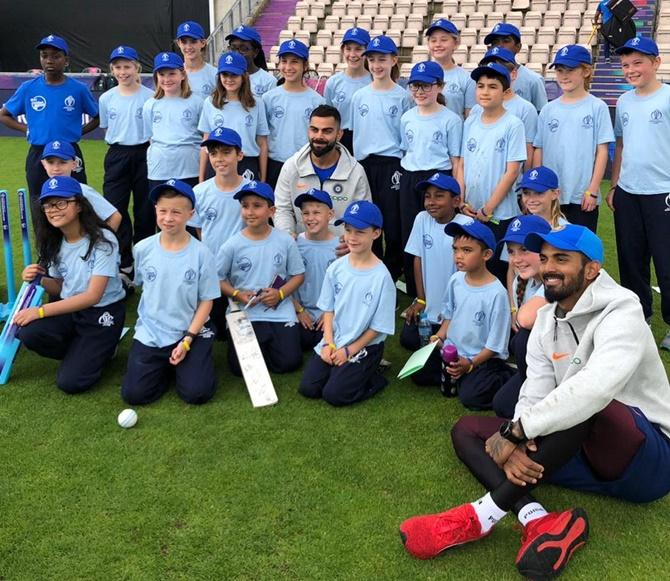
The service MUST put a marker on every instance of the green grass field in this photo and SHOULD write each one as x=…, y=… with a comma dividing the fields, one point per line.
x=223, y=491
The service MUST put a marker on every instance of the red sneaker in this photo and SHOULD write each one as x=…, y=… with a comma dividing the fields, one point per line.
x=549, y=542
x=427, y=536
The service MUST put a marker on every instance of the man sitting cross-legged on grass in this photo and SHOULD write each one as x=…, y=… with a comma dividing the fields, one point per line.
x=593, y=415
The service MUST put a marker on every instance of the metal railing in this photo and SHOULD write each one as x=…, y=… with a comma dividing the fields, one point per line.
x=240, y=13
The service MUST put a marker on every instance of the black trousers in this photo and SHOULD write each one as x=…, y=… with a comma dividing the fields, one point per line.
x=274, y=169
x=505, y=400
x=309, y=338
x=348, y=140
x=496, y=266
x=575, y=215
x=126, y=173
x=429, y=374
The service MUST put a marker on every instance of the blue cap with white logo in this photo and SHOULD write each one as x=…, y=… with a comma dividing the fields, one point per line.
x=223, y=136
x=498, y=53
x=53, y=41
x=167, y=60
x=294, y=47
x=232, y=62
x=314, y=195
x=502, y=29
x=538, y=179
x=124, y=52
x=639, y=44
x=60, y=149
x=491, y=69
x=357, y=35
x=521, y=226
x=473, y=229
x=570, y=237
x=572, y=56
x=254, y=188
x=442, y=24
x=362, y=214
x=441, y=181
x=245, y=33
x=382, y=44
x=426, y=72
x=175, y=185
x=190, y=29
x=60, y=187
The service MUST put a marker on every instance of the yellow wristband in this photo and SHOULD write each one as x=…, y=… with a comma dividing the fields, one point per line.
x=281, y=294
x=301, y=310
x=436, y=337
x=470, y=368
x=40, y=311
x=588, y=194
x=332, y=346
x=513, y=309
x=236, y=292
x=186, y=345
x=421, y=301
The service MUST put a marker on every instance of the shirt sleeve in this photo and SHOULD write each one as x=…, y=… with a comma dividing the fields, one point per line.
x=530, y=124
x=224, y=261
x=326, y=300
x=89, y=104
x=605, y=130
x=16, y=104
x=204, y=125
x=102, y=110
x=454, y=130
x=147, y=115
x=470, y=100
x=538, y=142
x=383, y=319
x=501, y=321
x=294, y=263
x=262, y=121
x=106, y=258
x=448, y=300
x=208, y=283
x=414, y=244
x=516, y=142
x=101, y=207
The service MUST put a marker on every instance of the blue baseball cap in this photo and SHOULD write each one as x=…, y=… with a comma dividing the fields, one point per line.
x=232, y=62
x=60, y=149
x=167, y=60
x=442, y=182
x=245, y=33
x=124, y=52
x=639, y=44
x=495, y=69
x=521, y=226
x=60, y=187
x=498, y=53
x=224, y=136
x=176, y=185
x=538, y=179
x=255, y=188
x=314, y=195
x=571, y=56
x=569, y=237
x=53, y=41
x=502, y=29
x=190, y=29
x=442, y=24
x=362, y=214
x=294, y=47
x=426, y=72
x=382, y=44
x=357, y=35
x=474, y=229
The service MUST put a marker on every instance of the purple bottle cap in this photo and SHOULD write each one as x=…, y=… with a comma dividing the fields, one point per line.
x=449, y=353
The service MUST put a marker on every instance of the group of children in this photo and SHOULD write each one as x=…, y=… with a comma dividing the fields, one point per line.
x=201, y=154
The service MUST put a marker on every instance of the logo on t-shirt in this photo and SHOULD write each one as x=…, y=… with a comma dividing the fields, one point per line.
x=409, y=135
x=438, y=137
x=211, y=214
x=69, y=103
x=587, y=122
x=277, y=259
x=61, y=269
x=278, y=112
x=337, y=188
x=157, y=117
x=207, y=89
x=472, y=144
x=150, y=273
x=500, y=144
x=340, y=96
x=368, y=298
x=112, y=113
x=38, y=103
x=393, y=110
x=363, y=110
x=244, y=264
x=624, y=119
x=138, y=113
x=218, y=121
x=453, y=88
x=338, y=287
x=553, y=125
x=427, y=241
x=187, y=115
x=479, y=318
x=248, y=120
x=308, y=112
x=190, y=276
x=655, y=117
x=248, y=175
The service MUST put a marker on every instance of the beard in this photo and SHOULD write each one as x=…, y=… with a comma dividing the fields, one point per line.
x=323, y=149
x=566, y=289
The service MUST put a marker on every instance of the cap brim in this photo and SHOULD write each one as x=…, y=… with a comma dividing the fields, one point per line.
x=534, y=186
x=480, y=72
x=422, y=186
x=625, y=49
x=513, y=239
x=190, y=35
x=233, y=70
x=243, y=193
x=50, y=45
x=167, y=66
x=242, y=36
x=488, y=39
x=535, y=240
x=570, y=63
x=432, y=29
x=302, y=198
x=494, y=58
x=380, y=51
x=356, y=40
x=355, y=222
x=229, y=143
x=423, y=79
x=59, y=155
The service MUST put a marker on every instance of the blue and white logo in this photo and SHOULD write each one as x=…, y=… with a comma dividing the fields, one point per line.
x=427, y=241
x=150, y=273
x=368, y=298
x=248, y=120
x=219, y=122
x=479, y=318
x=409, y=135
x=354, y=209
x=211, y=214
x=393, y=110
x=244, y=264
x=138, y=113
x=500, y=144
x=453, y=88
x=157, y=117
x=532, y=176
x=291, y=44
x=278, y=112
x=656, y=117
x=187, y=115
x=277, y=259
x=112, y=113
x=438, y=137
x=340, y=96
x=553, y=125
x=165, y=57
x=363, y=110
x=53, y=183
x=190, y=276
x=229, y=59
x=624, y=119
x=472, y=144
x=515, y=226
x=587, y=122
x=421, y=68
x=38, y=103
x=338, y=288
x=55, y=145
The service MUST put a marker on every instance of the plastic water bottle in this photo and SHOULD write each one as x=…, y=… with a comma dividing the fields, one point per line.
x=425, y=329
x=449, y=354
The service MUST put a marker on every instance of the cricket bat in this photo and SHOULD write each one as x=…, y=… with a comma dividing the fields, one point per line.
x=255, y=372
x=7, y=243
x=23, y=218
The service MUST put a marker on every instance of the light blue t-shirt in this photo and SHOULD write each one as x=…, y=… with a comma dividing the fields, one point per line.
x=568, y=135
x=217, y=213
x=173, y=285
x=121, y=115
x=429, y=242
x=376, y=121
x=317, y=256
x=644, y=124
x=172, y=125
x=480, y=316
x=529, y=85
x=429, y=141
x=486, y=151
x=360, y=300
x=253, y=264
x=261, y=82
x=522, y=109
x=101, y=206
x=203, y=82
x=76, y=273
x=533, y=289
x=340, y=88
x=288, y=119
x=459, y=90
x=248, y=124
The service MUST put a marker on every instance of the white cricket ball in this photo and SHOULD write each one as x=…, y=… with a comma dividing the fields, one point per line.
x=127, y=418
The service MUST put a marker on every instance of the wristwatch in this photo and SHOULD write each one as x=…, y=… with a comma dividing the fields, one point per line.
x=507, y=433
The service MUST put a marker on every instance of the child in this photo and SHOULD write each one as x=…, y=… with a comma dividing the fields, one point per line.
x=317, y=246
x=246, y=41
x=171, y=122
x=261, y=267
x=377, y=109
x=179, y=282
x=288, y=107
x=358, y=301
x=78, y=261
x=126, y=158
x=53, y=105
x=433, y=264
x=476, y=317
x=233, y=105
x=573, y=137
x=431, y=140
x=458, y=88
x=492, y=151
x=192, y=42
x=641, y=176
x=341, y=86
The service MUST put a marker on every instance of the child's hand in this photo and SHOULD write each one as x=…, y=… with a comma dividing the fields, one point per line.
x=412, y=312
x=178, y=353
x=31, y=271
x=340, y=357
x=468, y=211
x=327, y=355
x=26, y=316
x=341, y=249
x=434, y=338
x=243, y=297
x=319, y=324
x=610, y=198
x=589, y=203
x=305, y=319
x=459, y=368
x=270, y=297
